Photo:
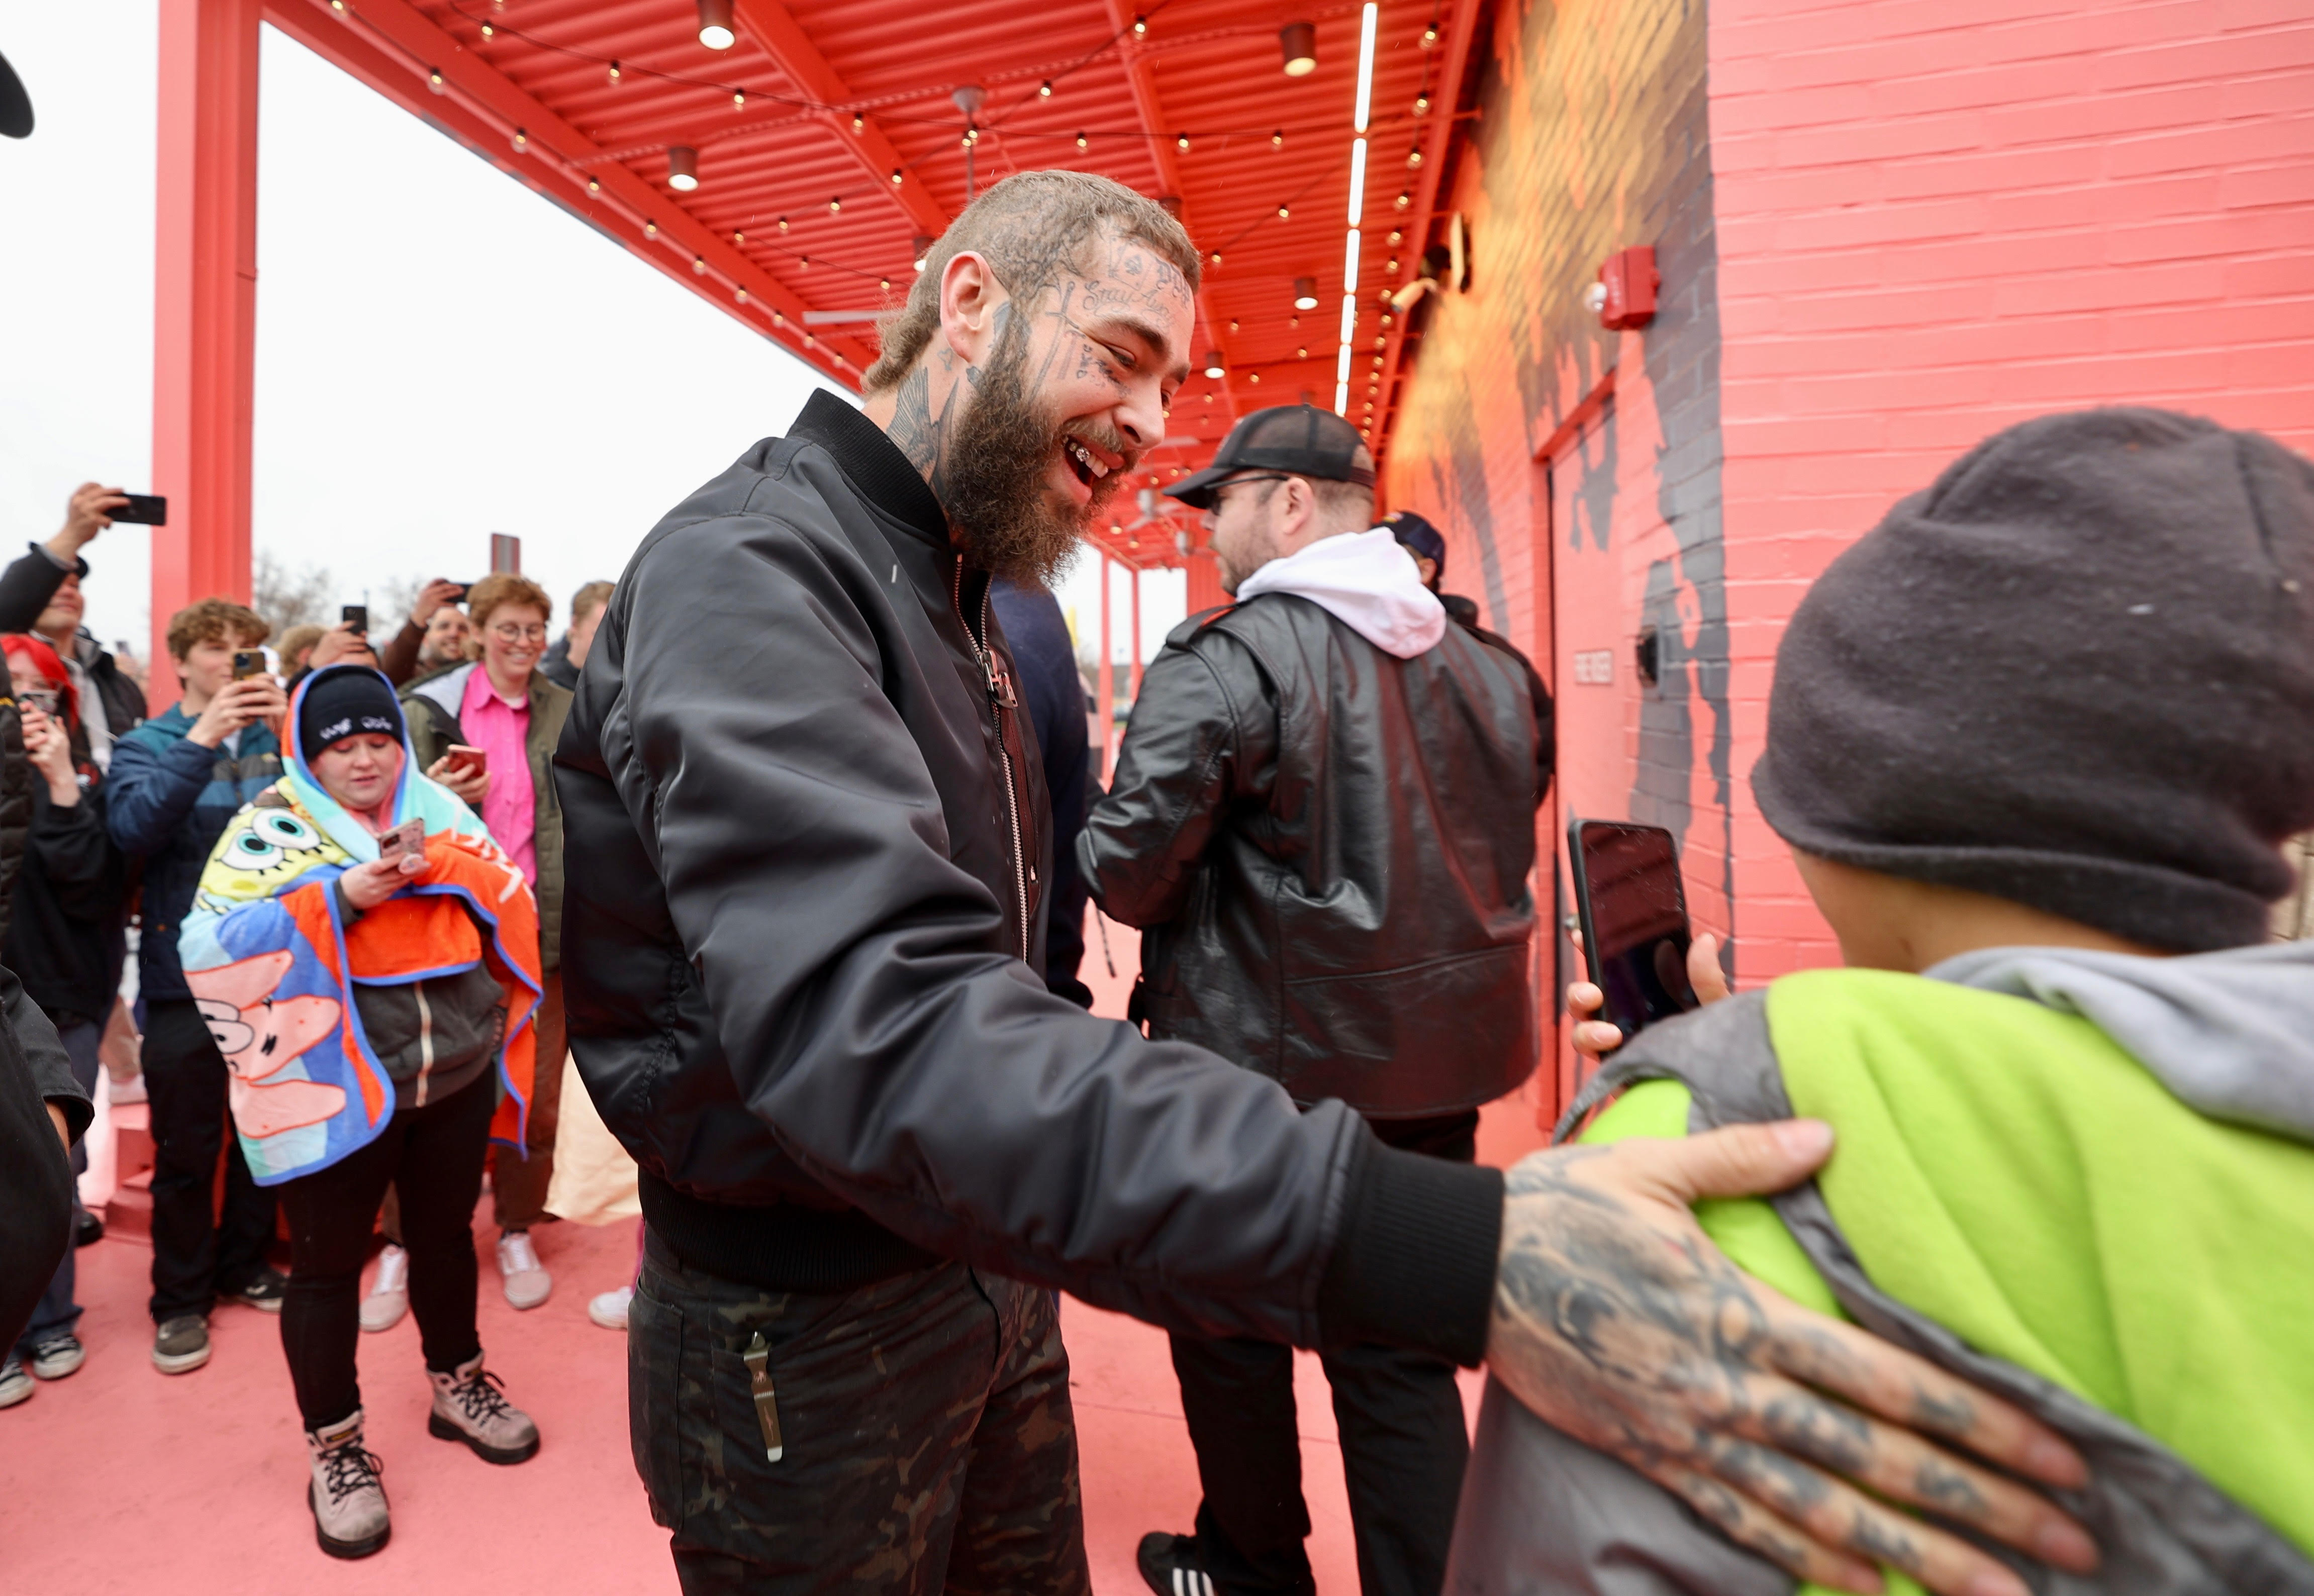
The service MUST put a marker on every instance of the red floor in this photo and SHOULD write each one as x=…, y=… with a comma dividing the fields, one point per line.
x=122, y=1480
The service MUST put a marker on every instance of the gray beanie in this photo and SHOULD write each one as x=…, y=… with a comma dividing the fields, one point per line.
x=2077, y=673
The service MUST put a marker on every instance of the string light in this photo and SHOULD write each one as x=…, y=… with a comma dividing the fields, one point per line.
x=1233, y=323
x=1414, y=158
x=738, y=99
x=783, y=224
x=1403, y=200
x=1081, y=141
x=1391, y=266
x=1254, y=377
x=651, y=229
x=1045, y=90
x=804, y=262
x=1283, y=213
x=1422, y=105
x=836, y=205
x=1277, y=139
x=715, y=29
x=1139, y=26
x=1216, y=259
x=885, y=284
x=1181, y=143
x=739, y=240
x=1430, y=36
x=615, y=72
x=521, y=140
x=1395, y=235
x=895, y=177
x=489, y=33
x=594, y=185
x=778, y=318
x=699, y=266
x=740, y=295
x=434, y=81
x=859, y=123
x=1302, y=352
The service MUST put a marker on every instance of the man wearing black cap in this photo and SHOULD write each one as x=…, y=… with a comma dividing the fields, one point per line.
x=1323, y=820
x=1427, y=546
x=807, y=883
x=41, y=593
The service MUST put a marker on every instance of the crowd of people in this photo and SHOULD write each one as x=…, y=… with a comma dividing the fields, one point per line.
x=787, y=844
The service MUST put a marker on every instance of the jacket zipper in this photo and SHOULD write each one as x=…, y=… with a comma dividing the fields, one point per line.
x=1000, y=698
x=425, y=1043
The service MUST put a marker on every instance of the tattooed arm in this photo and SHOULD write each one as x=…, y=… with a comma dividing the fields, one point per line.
x=1618, y=1321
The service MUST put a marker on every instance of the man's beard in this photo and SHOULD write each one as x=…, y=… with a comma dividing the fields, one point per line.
x=993, y=481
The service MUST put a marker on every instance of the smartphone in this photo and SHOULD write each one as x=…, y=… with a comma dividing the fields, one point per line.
x=464, y=758
x=355, y=616
x=408, y=837
x=248, y=663
x=144, y=509
x=1634, y=916
x=460, y=596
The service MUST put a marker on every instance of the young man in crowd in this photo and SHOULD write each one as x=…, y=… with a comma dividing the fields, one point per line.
x=40, y=594
x=2036, y=743
x=1426, y=546
x=808, y=877
x=176, y=780
x=1324, y=822
x=434, y=636
x=564, y=661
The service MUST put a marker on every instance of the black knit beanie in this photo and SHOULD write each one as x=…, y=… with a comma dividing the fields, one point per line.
x=2077, y=673
x=340, y=700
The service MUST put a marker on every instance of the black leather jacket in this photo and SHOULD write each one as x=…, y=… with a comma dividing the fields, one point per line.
x=1327, y=848
x=804, y=863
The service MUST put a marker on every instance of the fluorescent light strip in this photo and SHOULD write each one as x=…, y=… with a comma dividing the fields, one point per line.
x=1357, y=179
x=1342, y=399
x=1342, y=366
x=1350, y=264
x=1349, y=317
x=1366, y=64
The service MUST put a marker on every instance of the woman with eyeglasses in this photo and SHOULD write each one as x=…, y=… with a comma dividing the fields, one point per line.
x=499, y=702
x=68, y=909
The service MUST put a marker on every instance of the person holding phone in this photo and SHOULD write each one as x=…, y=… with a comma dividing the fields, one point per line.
x=503, y=715
x=352, y=850
x=1323, y=821
x=432, y=637
x=41, y=593
x=176, y=782
x=62, y=931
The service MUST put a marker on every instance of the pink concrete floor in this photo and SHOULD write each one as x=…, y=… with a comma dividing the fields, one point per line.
x=121, y=1479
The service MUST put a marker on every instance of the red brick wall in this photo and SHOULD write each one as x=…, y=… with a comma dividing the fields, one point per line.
x=1922, y=219
x=1939, y=216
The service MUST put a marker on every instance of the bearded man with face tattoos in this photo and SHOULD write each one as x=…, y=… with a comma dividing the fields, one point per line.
x=806, y=871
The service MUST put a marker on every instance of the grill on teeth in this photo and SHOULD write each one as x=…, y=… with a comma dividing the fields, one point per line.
x=1085, y=454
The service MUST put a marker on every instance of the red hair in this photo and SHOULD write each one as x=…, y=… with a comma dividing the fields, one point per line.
x=45, y=660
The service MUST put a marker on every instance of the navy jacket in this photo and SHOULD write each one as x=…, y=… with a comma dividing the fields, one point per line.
x=167, y=800
x=1046, y=663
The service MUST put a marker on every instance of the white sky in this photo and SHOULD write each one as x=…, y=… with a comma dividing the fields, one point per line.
x=441, y=354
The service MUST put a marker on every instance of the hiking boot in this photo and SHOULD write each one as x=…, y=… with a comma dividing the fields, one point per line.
x=1170, y=1566
x=610, y=1309
x=55, y=1356
x=264, y=1292
x=15, y=1385
x=470, y=1406
x=182, y=1344
x=348, y=1504
x=389, y=1293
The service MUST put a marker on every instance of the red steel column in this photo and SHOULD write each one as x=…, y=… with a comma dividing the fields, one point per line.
x=1107, y=684
x=1137, y=634
x=205, y=312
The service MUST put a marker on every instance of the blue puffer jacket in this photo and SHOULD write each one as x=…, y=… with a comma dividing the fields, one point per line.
x=167, y=801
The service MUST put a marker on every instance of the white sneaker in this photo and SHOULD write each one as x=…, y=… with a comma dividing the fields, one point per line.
x=389, y=1293
x=526, y=1283
x=610, y=1309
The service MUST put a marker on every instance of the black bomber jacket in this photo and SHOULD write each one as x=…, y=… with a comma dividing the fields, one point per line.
x=805, y=847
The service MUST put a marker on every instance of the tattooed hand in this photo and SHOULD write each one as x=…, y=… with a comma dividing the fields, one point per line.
x=1619, y=1322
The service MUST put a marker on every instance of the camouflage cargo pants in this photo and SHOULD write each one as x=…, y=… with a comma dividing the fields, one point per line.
x=927, y=1440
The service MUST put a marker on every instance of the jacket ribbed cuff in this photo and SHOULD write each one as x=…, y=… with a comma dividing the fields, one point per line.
x=1413, y=1265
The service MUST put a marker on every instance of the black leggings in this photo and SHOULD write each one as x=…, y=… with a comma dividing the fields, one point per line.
x=434, y=1156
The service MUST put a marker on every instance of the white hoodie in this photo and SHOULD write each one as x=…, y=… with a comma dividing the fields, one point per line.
x=1365, y=580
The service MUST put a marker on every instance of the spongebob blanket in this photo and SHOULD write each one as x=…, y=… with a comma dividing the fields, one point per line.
x=272, y=963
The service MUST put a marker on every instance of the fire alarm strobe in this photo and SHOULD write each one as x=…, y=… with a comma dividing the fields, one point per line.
x=1626, y=294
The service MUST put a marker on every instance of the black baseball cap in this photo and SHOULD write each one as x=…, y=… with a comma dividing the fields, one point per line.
x=1298, y=439
x=1418, y=535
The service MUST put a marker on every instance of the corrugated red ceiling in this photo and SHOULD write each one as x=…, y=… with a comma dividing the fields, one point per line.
x=800, y=126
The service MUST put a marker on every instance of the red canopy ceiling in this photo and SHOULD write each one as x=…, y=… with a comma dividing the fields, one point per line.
x=829, y=141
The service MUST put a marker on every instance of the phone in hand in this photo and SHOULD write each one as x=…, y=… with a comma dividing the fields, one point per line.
x=1633, y=911
x=355, y=616
x=464, y=758
x=248, y=663
x=143, y=509
x=406, y=839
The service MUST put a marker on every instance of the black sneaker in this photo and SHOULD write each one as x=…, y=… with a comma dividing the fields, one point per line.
x=15, y=1385
x=55, y=1356
x=264, y=1294
x=88, y=1231
x=1170, y=1566
x=180, y=1345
